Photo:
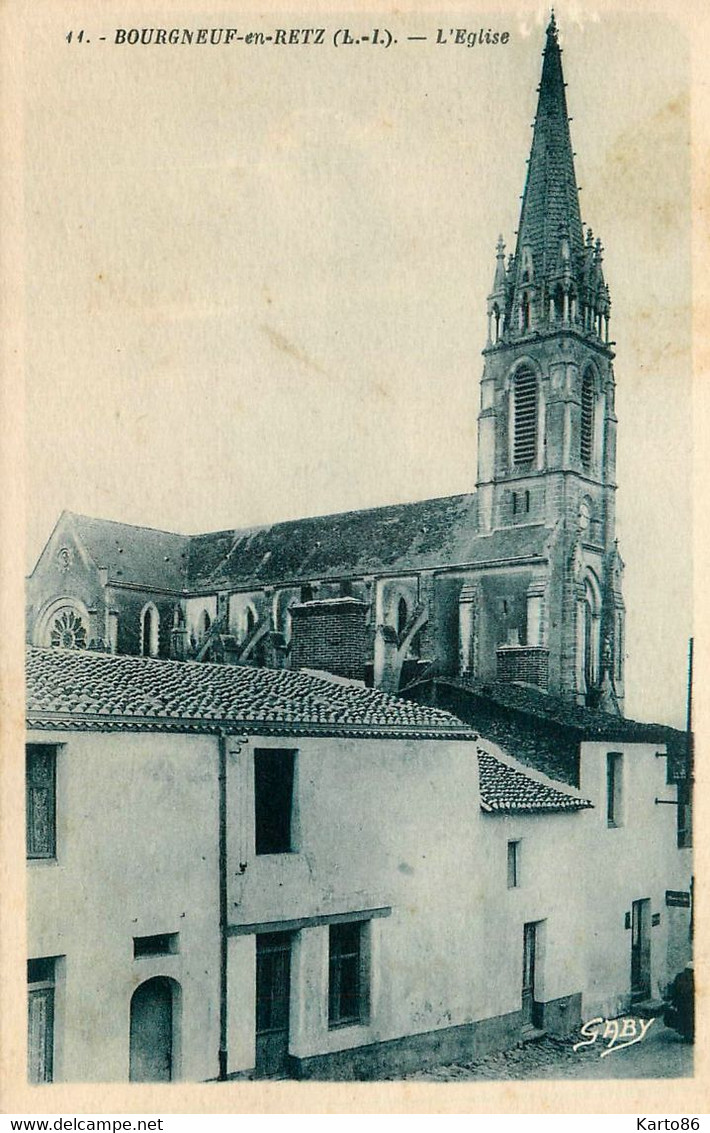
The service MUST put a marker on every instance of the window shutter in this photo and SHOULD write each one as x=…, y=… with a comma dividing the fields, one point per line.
x=587, y=434
x=525, y=412
x=41, y=801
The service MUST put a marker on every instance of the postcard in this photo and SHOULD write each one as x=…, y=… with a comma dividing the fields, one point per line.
x=350, y=540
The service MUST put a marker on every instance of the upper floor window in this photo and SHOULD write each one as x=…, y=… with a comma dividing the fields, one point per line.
x=587, y=430
x=524, y=417
x=614, y=785
x=41, y=800
x=513, y=865
x=273, y=800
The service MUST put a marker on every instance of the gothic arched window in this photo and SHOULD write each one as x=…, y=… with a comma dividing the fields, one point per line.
x=402, y=616
x=524, y=417
x=590, y=631
x=250, y=621
x=150, y=623
x=587, y=430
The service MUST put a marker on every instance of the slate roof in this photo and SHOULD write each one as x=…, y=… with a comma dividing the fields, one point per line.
x=428, y=533
x=139, y=555
x=399, y=537
x=99, y=691
x=565, y=713
x=505, y=789
x=551, y=198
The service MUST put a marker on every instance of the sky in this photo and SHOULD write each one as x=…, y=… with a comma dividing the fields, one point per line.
x=256, y=276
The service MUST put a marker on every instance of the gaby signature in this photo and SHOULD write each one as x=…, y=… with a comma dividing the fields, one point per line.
x=614, y=1034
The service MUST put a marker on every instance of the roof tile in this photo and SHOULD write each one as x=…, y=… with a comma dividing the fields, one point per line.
x=86, y=686
x=508, y=789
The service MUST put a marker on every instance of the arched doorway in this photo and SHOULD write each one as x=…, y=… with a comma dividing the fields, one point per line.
x=152, y=1043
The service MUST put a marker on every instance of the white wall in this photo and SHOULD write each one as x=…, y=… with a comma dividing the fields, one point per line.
x=395, y=823
x=633, y=861
x=398, y=823
x=136, y=855
x=378, y=823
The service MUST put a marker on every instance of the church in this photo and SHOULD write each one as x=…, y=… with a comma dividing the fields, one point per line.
x=519, y=581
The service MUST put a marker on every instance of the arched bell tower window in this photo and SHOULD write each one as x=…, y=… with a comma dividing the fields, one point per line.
x=587, y=431
x=525, y=417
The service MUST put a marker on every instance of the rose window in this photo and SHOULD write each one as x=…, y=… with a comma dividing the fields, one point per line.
x=68, y=631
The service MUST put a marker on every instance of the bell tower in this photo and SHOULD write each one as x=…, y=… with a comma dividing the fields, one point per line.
x=547, y=426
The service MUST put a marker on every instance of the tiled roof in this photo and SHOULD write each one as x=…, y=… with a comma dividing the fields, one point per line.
x=425, y=534
x=85, y=690
x=507, y=789
x=139, y=555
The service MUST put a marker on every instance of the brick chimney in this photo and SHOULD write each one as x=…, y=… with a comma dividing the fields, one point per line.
x=330, y=634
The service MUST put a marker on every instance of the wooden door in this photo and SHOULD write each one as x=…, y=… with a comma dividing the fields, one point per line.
x=640, y=950
x=151, y=1050
x=530, y=1007
x=40, y=1035
x=273, y=993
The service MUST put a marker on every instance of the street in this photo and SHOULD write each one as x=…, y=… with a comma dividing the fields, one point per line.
x=661, y=1054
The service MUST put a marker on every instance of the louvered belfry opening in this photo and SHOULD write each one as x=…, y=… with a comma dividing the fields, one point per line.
x=587, y=419
x=525, y=432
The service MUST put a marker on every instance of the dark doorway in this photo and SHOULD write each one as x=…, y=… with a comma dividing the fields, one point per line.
x=530, y=1007
x=640, y=950
x=152, y=1046
x=273, y=993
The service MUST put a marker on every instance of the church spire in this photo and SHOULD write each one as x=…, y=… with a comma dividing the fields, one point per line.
x=550, y=210
x=555, y=279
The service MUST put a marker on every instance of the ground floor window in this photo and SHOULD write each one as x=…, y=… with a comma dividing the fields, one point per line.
x=348, y=991
x=41, y=980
